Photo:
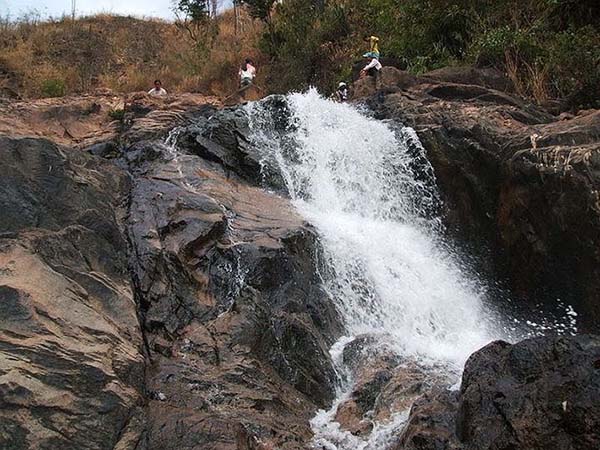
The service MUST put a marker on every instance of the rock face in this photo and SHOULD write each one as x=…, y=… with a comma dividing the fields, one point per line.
x=72, y=369
x=161, y=300
x=384, y=384
x=432, y=423
x=86, y=120
x=164, y=300
x=513, y=176
x=237, y=324
x=538, y=394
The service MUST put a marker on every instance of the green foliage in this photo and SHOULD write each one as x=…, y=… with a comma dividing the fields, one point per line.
x=259, y=9
x=53, y=88
x=489, y=49
x=193, y=17
x=194, y=10
x=117, y=114
x=549, y=48
x=574, y=56
x=308, y=43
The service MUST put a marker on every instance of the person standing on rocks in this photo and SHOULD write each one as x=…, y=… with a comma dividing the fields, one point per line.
x=157, y=90
x=247, y=73
x=341, y=94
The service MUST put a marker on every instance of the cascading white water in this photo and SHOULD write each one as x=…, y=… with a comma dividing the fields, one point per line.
x=355, y=180
x=370, y=193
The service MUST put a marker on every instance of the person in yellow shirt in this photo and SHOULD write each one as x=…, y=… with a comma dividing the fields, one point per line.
x=373, y=45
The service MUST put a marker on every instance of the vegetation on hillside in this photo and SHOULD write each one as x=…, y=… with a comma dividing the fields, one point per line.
x=58, y=57
x=550, y=49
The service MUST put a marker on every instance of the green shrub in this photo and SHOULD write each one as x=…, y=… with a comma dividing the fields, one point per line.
x=574, y=58
x=117, y=114
x=53, y=88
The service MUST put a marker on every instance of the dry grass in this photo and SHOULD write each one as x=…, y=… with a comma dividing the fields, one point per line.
x=123, y=54
x=529, y=80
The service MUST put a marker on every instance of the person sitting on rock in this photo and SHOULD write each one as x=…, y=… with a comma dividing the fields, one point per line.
x=247, y=73
x=373, y=45
x=157, y=90
x=372, y=68
x=341, y=94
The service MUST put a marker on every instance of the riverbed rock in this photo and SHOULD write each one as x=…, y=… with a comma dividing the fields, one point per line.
x=71, y=348
x=161, y=300
x=537, y=394
x=432, y=423
x=224, y=137
x=385, y=385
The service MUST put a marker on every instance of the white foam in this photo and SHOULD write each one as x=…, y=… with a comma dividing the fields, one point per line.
x=352, y=178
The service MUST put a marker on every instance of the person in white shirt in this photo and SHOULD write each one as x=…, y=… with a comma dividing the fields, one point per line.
x=341, y=94
x=372, y=68
x=157, y=90
x=247, y=73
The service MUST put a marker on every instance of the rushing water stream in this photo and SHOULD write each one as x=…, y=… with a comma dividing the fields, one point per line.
x=355, y=180
x=370, y=192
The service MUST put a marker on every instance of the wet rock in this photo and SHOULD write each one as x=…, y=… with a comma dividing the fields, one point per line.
x=224, y=138
x=72, y=371
x=540, y=393
x=432, y=423
x=536, y=394
x=384, y=385
x=108, y=149
x=356, y=352
x=231, y=302
x=356, y=414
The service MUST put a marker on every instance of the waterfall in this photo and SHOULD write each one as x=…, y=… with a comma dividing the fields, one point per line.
x=370, y=192
x=368, y=189
x=403, y=292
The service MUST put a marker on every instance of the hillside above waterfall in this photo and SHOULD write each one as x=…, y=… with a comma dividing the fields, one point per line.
x=549, y=49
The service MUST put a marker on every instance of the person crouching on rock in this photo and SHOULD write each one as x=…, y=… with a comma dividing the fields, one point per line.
x=157, y=90
x=341, y=94
x=247, y=73
x=372, y=69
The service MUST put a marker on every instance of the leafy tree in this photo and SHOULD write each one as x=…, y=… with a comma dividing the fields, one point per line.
x=195, y=10
x=193, y=16
x=259, y=9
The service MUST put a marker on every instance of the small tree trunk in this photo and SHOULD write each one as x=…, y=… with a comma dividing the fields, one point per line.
x=235, y=17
